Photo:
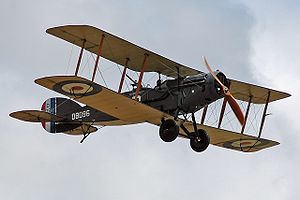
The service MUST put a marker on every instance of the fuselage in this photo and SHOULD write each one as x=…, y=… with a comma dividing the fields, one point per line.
x=175, y=97
x=182, y=96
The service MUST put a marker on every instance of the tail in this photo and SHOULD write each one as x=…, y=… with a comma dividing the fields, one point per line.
x=53, y=117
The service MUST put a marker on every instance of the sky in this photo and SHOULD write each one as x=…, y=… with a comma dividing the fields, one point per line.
x=253, y=41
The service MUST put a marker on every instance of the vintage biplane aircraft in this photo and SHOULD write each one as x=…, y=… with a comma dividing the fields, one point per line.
x=166, y=105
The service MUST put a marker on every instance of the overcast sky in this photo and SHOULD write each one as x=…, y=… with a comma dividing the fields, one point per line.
x=254, y=41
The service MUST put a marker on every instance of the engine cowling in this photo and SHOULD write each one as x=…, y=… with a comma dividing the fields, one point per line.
x=60, y=107
x=168, y=130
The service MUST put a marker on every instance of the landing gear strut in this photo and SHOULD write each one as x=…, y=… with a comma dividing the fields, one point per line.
x=169, y=131
x=201, y=139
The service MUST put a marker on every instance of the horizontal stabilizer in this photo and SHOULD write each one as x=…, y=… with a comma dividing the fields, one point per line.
x=81, y=130
x=35, y=116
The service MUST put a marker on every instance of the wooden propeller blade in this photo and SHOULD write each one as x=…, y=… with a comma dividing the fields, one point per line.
x=235, y=107
x=231, y=100
x=212, y=73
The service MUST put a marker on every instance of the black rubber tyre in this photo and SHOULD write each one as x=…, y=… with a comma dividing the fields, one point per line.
x=200, y=142
x=168, y=130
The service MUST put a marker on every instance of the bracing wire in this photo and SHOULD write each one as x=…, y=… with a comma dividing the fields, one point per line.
x=102, y=77
x=70, y=56
x=86, y=64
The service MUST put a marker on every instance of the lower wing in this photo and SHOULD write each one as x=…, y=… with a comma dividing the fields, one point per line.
x=131, y=111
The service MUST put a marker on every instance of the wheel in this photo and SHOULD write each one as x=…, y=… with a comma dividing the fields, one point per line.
x=201, y=141
x=168, y=130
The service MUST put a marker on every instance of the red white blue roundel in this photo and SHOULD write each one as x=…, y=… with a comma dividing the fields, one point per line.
x=77, y=88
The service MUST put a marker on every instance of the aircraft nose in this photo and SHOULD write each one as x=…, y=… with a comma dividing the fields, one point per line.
x=221, y=76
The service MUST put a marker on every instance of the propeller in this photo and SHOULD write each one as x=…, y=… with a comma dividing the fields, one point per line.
x=231, y=100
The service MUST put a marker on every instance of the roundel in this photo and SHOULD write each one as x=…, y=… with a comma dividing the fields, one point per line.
x=77, y=88
x=245, y=143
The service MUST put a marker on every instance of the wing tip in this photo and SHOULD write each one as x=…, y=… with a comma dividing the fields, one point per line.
x=259, y=147
x=51, y=29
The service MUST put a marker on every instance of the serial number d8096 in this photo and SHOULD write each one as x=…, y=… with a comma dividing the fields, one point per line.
x=80, y=115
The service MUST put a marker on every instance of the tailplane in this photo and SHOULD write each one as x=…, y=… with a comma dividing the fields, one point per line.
x=54, y=117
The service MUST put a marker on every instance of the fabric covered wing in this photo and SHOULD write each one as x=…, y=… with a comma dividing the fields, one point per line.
x=231, y=140
x=242, y=91
x=102, y=99
x=132, y=111
x=118, y=50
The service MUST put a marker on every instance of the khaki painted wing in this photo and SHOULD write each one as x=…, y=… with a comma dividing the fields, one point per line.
x=103, y=99
x=242, y=91
x=231, y=140
x=118, y=50
x=132, y=111
x=35, y=116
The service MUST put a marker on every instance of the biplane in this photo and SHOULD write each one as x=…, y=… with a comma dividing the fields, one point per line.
x=167, y=104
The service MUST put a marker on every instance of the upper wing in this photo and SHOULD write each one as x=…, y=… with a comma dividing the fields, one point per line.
x=118, y=50
x=242, y=91
x=132, y=111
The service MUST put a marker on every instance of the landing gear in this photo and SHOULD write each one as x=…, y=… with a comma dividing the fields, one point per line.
x=168, y=130
x=200, y=141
